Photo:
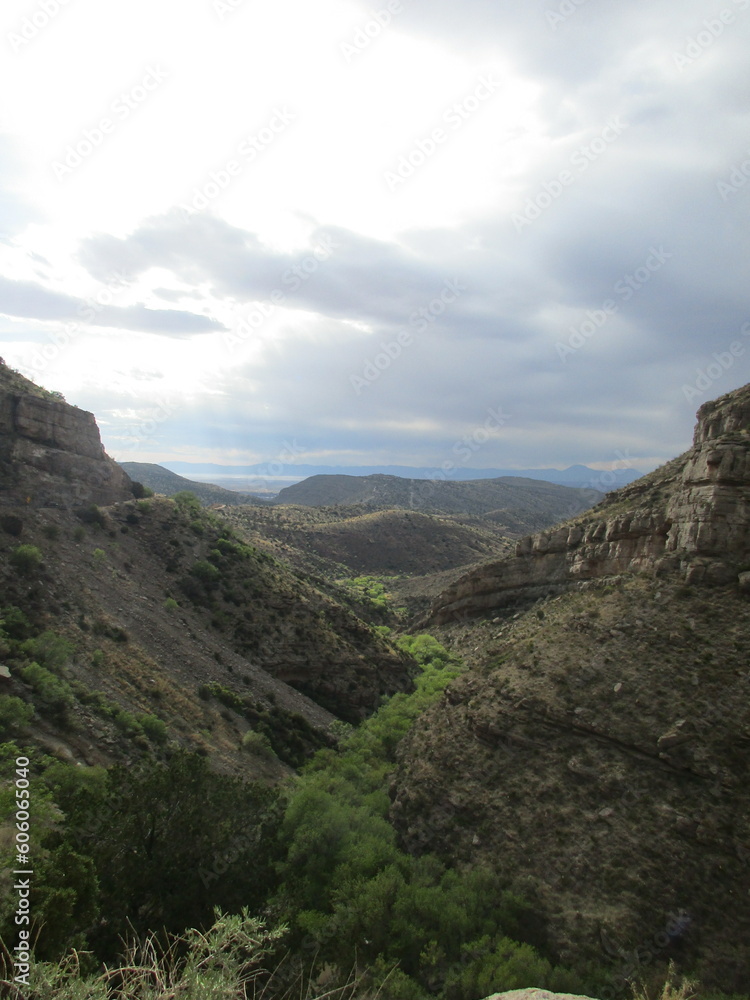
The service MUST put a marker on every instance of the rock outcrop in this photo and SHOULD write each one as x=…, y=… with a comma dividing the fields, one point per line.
x=691, y=517
x=595, y=755
x=51, y=453
x=535, y=995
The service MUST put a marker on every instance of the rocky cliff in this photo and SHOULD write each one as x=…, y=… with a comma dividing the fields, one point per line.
x=51, y=453
x=596, y=754
x=691, y=517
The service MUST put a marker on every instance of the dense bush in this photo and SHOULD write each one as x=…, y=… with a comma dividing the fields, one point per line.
x=11, y=525
x=206, y=572
x=26, y=559
x=188, y=503
x=344, y=877
x=91, y=514
x=52, y=693
x=14, y=714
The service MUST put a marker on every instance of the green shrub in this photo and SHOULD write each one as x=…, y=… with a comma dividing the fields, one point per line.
x=49, y=649
x=14, y=624
x=171, y=604
x=99, y=557
x=154, y=728
x=97, y=658
x=206, y=572
x=92, y=515
x=79, y=534
x=259, y=744
x=26, y=559
x=14, y=713
x=188, y=503
x=127, y=723
x=140, y=491
x=54, y=693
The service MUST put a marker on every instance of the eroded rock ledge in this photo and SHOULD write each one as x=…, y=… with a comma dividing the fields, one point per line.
x=51, y=453
x=691, y=517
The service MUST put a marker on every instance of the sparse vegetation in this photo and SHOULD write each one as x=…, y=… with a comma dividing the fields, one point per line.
x=91, y=514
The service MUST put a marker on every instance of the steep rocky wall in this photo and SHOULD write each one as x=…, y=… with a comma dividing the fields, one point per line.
x=51, y=453
x=692, y=517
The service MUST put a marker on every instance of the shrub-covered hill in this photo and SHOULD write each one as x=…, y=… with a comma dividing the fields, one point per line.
x=166, y=613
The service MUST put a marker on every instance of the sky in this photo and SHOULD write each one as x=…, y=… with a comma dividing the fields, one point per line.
x=410, y=232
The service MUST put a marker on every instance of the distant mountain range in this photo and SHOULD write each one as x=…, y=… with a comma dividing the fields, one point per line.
x=254, y=478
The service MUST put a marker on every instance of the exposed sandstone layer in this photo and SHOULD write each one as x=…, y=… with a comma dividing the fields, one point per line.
x=692, y=517
x=51, y=453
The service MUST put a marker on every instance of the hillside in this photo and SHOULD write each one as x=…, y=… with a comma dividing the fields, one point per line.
x=516, y=505
x=596, y=754
x=165, y=612
x=355, y=539
x=161, y=480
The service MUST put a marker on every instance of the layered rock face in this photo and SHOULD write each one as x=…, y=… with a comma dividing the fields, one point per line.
x=692, y=517
x=596, y=753
x=51, y=453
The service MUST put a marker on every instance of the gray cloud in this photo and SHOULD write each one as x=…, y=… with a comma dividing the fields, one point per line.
x=33, y=301
x=642, y=224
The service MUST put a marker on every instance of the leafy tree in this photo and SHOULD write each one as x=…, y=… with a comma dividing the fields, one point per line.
x=169, y=841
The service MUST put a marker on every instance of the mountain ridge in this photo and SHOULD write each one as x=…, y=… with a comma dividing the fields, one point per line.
x=576, y=476
x=517, y=499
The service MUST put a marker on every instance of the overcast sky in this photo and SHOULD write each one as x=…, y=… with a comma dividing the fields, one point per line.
x=413, y=232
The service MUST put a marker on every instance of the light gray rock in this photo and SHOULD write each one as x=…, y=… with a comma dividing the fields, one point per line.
x=536, y=995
